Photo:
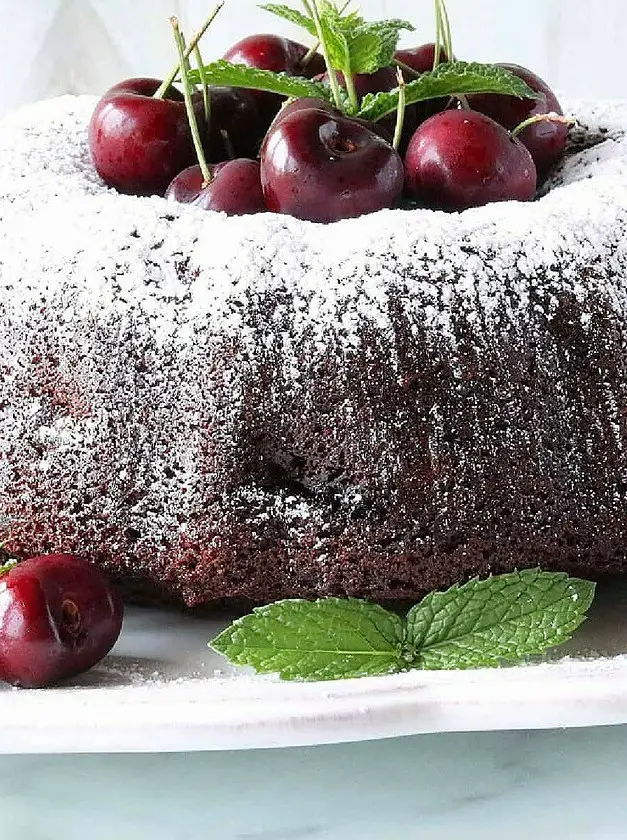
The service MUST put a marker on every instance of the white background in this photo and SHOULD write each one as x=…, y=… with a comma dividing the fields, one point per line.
x=55, y=46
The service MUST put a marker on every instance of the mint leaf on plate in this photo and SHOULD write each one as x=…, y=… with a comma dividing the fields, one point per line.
x=457, y=78
x=239, y=75
x=328, y=639
x=506, y=617
x=481, y=623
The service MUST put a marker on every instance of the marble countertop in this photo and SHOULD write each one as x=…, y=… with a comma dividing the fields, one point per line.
x=483, y=786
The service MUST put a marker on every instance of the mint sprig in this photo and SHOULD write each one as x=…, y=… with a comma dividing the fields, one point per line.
x=357, y=45
x=316, y=640
x=503, y=618
x=239, y=75
x=373, y=45
x=481, y=623
x=451, y=79
x=447, y=80
x=351, y=44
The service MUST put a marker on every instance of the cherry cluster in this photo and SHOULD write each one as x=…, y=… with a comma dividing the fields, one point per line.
x=309, y=160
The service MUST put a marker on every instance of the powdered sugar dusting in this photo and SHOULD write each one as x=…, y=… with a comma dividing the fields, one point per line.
x=181, y=383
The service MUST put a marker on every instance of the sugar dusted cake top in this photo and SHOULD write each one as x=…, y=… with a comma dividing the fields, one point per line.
x=48, y=180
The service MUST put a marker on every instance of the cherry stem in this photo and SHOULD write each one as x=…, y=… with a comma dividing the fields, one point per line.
x=189, y=104
x=352, y=93
x=204, y=84
x=71, y=617
x=552, y=117
x=312, y=52
x=400, y=114
x=448, y=37
x=438, y=36
x=306, y=61
x=188, y=66
x=163, y=87
x=414, y=74
x=444, y=39
x=313, y=11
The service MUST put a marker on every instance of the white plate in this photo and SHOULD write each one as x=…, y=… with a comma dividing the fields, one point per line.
x=162, y=690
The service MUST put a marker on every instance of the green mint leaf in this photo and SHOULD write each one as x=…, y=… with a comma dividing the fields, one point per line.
x=458, y=78
x=504, y=618
x=292, y=15
x=482, y=623
x=344, y=22
x=334, y=38
x=372, y=45
x=356, y=46
x=239, y=75
x=328, y=639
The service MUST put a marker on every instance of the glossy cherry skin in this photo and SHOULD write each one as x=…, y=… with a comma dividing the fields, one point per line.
x=422, y=58
x=308, y=102
x=235, y=188
x=234, y=111
x=322, y=168
x=460, y=159
x=545, y=140
x=271, y=52
x=281, y=55
x=139, y=143
x=304, y=104
x=59, y=616
x=383, y=80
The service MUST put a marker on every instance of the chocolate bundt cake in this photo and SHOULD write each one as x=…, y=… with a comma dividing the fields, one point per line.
x=258, y=407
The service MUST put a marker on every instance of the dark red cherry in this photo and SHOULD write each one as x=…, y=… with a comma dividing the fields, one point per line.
x=234, y=123
x=235, y=188
x=321, y=167
x=59, y=616
x=383, y=129
x=422, y=58
x=304, y=104
x=545, y=140
x=460, y=159
x=383, y=80
x=139, y=143
x=271, y=52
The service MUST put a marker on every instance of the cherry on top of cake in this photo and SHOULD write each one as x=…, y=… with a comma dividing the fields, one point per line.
x=377, y=127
